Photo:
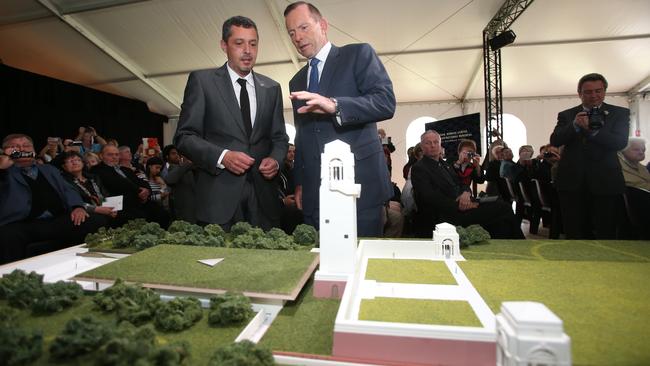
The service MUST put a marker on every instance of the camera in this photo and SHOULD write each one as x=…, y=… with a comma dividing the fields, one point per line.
x=76, y=143
x=547, y=155
x=471, y=154
x=21, y=154
x=596, y=118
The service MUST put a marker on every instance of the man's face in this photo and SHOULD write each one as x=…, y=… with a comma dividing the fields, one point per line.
x=291, y=153
x=592, y=93
x=241, y=49
x=307, y=34
x=23, y=145
x=430, y=145
x=125, y=155
x=110, y=155
x=507, y=154
x=174, y=157
x=635, y=153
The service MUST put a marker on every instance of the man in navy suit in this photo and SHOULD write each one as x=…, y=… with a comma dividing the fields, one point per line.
x=232, y=128
x=589, y=179
x=37, y=204
x=340, y=94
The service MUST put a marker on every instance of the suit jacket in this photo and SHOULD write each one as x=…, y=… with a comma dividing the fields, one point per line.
x=16, y=196
x=116, y=185
x=181, y=179
x=211, y=121
x=590, y=162
x=355, y=76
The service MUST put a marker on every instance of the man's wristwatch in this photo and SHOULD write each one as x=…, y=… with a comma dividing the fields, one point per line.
x=337, y=109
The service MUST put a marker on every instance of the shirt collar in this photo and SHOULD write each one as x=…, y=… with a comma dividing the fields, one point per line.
x=323, y=53
x=235, y=76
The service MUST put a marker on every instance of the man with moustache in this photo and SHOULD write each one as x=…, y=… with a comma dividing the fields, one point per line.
x=340, y=94
x=589, y=179
x=232, y=128
x=37, y=204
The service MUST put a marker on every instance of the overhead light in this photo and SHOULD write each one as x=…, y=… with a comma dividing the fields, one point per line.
x=502, y=40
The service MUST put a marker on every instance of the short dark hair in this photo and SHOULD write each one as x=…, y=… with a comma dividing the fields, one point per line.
x=238, y=21
x=315, y=13
x=14, y=136
x=167, y=150
x=71, y=154
x=466, y=143
x=591, y=77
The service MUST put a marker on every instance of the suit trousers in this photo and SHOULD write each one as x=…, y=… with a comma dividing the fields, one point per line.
x=370, y=221
x=248, y=210
x=589, y=216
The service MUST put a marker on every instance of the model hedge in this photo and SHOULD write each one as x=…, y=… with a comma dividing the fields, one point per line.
x=178, y=314
x=138, y=234
x=472, y=235
x=244, y=353
x=133, y=303
x=18, y=346
x=229, y=308
x=27, y=290
x=80, y=336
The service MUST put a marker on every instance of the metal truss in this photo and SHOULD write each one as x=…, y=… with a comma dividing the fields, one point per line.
x=502, y=20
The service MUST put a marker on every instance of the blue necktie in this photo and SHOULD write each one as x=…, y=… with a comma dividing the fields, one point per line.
x=313, y=76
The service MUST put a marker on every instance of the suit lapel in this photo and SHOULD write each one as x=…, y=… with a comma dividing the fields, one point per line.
x=227, y=93
x=328, y=71
x=260, y=98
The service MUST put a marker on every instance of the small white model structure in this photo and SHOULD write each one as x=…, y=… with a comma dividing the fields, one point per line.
x=338, y=220
x=445, y=241
x=528, y=333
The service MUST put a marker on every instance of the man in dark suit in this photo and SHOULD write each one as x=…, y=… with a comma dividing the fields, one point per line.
x=441, y=198
x=341, y=94
x=589, y=180
x=123, y=181
x=37, y=204
x=238, y=163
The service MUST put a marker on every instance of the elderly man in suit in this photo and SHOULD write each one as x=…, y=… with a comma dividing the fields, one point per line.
x=589, y=180
x=441, y=197
x=37, y=204
x=340, y=94
x=232, y=128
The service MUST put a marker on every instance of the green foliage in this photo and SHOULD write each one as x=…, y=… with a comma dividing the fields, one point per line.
x=240, y=228
x=215, y=230
x=184, y=227
x=177, y=238
x=178, y=314
x=177, y=353
x=244, y=353
x=95, y=239
x=123, y=237
x=145, y=241
x=229, y=308
x=471, y=235
x=305, y=235
x=132, y=303
x=80, y=336
x=134, y=225
x=27, y=290
x=243, y=241
x=19, y=346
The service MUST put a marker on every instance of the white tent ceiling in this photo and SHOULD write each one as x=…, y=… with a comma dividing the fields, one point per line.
x=431, y=48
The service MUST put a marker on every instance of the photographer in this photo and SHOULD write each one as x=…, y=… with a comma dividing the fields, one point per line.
x=36, y=204
x=90, y=140
x=589, y=179
x=468, y=165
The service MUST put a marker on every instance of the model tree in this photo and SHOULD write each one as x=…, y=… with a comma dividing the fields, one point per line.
x=178, y=314
x=18, y=346
x=133, y=303
x=242, y=353
x=229, y=308
x=471, y=235
x=305, y=235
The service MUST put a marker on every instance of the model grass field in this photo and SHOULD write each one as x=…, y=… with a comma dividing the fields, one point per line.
x=203, y=338
x=415, y=311
x=409, y=271
x=243, y=270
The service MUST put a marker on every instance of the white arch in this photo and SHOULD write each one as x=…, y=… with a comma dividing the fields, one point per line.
x=291, y=132
x=514, y=133
x=414, y=130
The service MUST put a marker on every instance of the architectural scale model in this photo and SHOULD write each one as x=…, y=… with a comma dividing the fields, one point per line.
x=529, y=333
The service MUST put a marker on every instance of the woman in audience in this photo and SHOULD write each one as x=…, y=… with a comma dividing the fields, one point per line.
x=91, y=159
x=88, y=186
x=159, y=189
x=468, y=166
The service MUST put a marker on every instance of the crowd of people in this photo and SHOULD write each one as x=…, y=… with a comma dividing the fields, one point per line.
x=231, y=160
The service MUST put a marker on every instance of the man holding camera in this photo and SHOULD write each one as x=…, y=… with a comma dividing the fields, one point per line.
x=589, y=178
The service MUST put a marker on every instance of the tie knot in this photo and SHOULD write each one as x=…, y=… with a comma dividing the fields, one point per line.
x=314, y=62
x=242, y=82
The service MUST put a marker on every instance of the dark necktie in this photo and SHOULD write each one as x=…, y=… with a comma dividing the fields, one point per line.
x=245, y=106
x=313, y=76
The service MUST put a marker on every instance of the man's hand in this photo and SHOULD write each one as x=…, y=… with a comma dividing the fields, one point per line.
x=465, y=202
x=237, y=162
x=105, y=210
x=78, y=216
x=289, y=200
x=297, y=194
x=269, y=167
x=582, y=121
x=5, y=160
x=143, y=194
x=316, y=103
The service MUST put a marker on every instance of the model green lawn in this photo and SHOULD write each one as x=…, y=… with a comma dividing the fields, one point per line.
x=409, y=271
x=438, y=312
x=203, y=338
x=244, y=270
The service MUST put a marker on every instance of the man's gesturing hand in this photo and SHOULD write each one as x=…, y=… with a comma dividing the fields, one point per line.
x=316, y=103
x=269, y=167
x=237, y=162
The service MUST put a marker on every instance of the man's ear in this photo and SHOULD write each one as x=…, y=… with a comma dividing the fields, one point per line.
x=323, y=24
x=223, y=45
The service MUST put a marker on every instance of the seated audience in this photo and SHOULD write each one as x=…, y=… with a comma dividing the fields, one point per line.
x=439, y=194
x=88, y=186
x=37, y=204
x=159, y=190
x=635, y=174
x=291, y=215
x=468, y=167
x=136, y=191
x=53, y=148
x=411, y=161
x=127, y=161
x=90, y=140
x=508, y=168
x=492, y=167
x=179, y=175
